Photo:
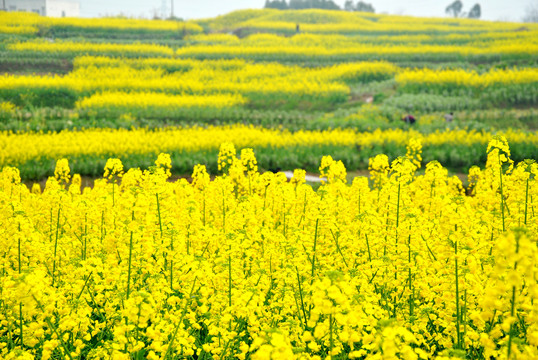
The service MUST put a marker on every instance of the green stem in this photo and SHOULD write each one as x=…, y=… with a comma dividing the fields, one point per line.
x=84, y=286
x=10, y=344
x=223, y=212
x=331, y=340
x=159, y=214
x=20, y=262
x=301, y=295
x=313, y=262
x=284, y=219
x=230, y=285
x=431, y=196
x=314, y=254
x=50, y=222
x=172, y=262
x=411, y=300
x=85, y=236
x=464, y=318
x=56, y=245
x=51, y=326
x=398, y=209
x=129, y=264
x=511, y=333
x=335, y=238
x=102, y=226
x=204, y=209
x=512, y=309
x=526, y=200
x=183, y=313
x=299, y=311
x=457, y=296
x=20, y=324
x=368, y=246
x=230, y=281
x=303, y=216
x=502, y=195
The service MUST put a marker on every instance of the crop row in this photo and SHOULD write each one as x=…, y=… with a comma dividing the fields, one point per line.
x=429, y=110
x=32, y=24
x=275, y=48
x=263, y=84
x=87, y=149
x=107, y=84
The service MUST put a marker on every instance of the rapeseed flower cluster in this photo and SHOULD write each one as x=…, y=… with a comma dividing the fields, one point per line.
x=113, y=169
x=68, y=47
x=62, y=170
x=249, y=265
x=332, y=170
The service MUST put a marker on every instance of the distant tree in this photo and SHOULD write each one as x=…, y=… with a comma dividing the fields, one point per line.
x=366, y=7
x=297, y=4
x=329, y=4
x=313, y=4
x=348, y=5
x=531, y=13
x=454, y=9
x=475, y=12
x=276, y=4
x=300, y=4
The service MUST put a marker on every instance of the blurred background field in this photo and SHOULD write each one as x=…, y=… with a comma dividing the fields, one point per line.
x=296, y=71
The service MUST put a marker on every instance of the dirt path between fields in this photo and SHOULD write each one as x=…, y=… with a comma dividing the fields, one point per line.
x=313, y=178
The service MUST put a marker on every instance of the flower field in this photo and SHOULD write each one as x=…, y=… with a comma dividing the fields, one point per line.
x=35, y=154
x=260, y=83
x=249, y=265
x=190, y=243
x=256, y=71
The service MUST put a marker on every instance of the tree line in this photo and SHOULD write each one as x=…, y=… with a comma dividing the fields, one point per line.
x=454, y=9
x=318, y=4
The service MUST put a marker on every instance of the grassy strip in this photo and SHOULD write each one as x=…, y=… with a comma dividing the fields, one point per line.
x=348, y=116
